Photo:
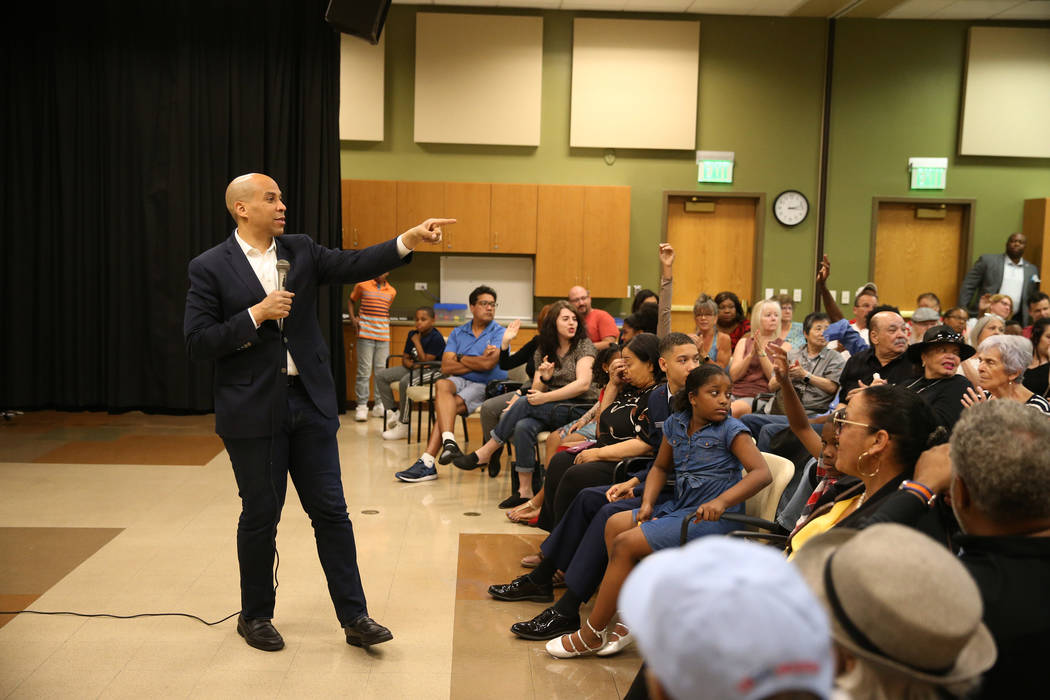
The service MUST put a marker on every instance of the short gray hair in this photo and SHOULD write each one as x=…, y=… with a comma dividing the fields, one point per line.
x=983, y=321
x=1015, y=351
x=999, y=449
x=705, y=303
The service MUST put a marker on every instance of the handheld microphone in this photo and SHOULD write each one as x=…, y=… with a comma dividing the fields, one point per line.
x=283, y=267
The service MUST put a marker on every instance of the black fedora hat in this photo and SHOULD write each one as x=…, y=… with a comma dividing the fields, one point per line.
x=940, y=335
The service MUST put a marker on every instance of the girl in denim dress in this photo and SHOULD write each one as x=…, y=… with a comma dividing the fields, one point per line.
x=706, y=448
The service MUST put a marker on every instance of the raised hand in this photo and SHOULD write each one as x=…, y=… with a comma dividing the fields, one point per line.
x=510, y=333
x=545, y=369
x=972, y=397
x=778, y=357
x=666, y=256
x=823, y=271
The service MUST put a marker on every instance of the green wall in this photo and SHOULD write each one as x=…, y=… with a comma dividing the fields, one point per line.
x=896, y=94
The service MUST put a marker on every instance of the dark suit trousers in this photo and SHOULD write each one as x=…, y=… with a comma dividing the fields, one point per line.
x=305, y=449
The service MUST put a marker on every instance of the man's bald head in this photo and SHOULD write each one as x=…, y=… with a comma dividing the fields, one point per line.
x=581, y=299
x=242, y=189
x=254, y=202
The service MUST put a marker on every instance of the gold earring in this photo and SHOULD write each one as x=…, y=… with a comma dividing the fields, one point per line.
x=861, y=471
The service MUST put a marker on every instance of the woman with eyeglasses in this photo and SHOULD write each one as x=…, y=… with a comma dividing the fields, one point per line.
x=956, y=318
x=881, y=434
x=987, y=326
x=1003, y=360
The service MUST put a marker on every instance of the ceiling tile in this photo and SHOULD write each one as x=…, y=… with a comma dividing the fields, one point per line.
x=541, y=4
x=657, y=5
x=720, y=7
x=917, y=9
x=974, y=9
x=613, y=5
x=1027, y=10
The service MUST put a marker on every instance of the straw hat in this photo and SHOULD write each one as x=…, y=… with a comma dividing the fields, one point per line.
x=901, y=601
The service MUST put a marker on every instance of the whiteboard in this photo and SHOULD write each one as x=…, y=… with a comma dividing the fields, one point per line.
x=509, y=275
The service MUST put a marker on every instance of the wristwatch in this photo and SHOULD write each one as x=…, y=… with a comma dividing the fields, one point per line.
x=459, y=357
x=805, y=379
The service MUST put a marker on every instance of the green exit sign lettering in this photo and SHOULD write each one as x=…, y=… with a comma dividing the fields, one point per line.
x=715, y=166
x=928, y=173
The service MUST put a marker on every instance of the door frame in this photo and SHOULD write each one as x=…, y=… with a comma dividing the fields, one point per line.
x=965, y=260
x=760, y=226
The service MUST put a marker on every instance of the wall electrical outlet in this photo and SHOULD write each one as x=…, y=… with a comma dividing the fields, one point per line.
x=797, y=296
x=845, y=296
x=783, y=291
x=769, y=292
x=421, y=286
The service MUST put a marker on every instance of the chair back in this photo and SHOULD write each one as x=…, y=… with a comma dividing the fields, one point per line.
x=764, y=503
x=518, y=374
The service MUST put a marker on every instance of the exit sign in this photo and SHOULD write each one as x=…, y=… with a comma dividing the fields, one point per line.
x=928, y=173
x=715, y=166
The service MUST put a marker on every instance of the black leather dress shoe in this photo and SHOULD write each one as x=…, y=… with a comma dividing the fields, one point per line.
x=523, y=588
x=449, y=450
x=547, y=625
x=364, y=632
x=260, y=634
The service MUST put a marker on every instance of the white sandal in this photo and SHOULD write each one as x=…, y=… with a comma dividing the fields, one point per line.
x=556, y=649
x=617, y=645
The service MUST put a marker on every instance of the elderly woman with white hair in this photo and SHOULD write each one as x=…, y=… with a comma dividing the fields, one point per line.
x=1002, y=361
x=987, y=326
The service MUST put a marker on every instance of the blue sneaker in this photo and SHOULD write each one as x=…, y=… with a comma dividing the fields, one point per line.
x=418, y=472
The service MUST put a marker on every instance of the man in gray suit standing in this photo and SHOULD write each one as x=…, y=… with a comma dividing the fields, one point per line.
x=1008, y=274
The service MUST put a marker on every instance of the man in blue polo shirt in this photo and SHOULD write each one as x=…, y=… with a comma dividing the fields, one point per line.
x=470, y=361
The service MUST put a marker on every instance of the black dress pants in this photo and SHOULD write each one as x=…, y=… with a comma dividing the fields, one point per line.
x=305, y=449
x=565, y=480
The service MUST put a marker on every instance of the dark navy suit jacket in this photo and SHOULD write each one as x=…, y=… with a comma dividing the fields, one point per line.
x=250, y=386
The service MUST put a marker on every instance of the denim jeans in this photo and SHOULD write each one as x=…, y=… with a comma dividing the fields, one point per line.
x=523, y=422
x=388, y=375
x=370, y=353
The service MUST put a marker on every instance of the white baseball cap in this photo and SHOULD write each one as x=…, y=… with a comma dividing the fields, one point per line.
x=723, y=618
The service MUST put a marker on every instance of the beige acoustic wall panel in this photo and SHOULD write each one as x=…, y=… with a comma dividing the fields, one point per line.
x=479, y=79
x=1006, y=108
x=361, y=72
x=634, y=83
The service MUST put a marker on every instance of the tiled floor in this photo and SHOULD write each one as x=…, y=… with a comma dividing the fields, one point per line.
x=160, y=537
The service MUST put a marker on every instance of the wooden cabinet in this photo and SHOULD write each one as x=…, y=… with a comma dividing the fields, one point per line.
x=583, y=237
x=416, y=202
x=512, y=219
x=369, y=212
x=606, y=240
x=470, y=204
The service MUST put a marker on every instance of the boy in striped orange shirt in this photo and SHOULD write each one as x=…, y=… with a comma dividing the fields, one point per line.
x=372, y=323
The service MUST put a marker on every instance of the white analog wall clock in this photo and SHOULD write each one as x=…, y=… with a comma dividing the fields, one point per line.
x=791, y=207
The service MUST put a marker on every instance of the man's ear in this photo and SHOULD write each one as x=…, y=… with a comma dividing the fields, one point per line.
x=663, y=364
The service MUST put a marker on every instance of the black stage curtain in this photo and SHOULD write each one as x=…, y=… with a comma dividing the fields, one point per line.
x=123, y=123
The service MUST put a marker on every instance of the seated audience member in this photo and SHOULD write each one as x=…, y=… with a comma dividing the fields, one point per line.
x=1003, y=360
x=773, y=642
x=643, y=296
x=1013, y=327
x=583, y=429
x=886, y=357
x=424, y=344
x=601, y=326
x=882, y=432
x=905, y=614
x=939, y=354
x=957, y=318
x=731, y=319
x=928, y=300
x=987, y=326
x=493, y=408
x=751, y=368
x=1038, y=308
x=625, y=429
x=564, y=361
x=999, y=305
x=790, y=330
x=706, y=449
x=1003, y=273
x=471, y=357
x=998, y=477
x=866, y=299
x=713, y=344
x=923, y=320
x=577, y=544
x=1037, y=376
x=814, y=370
x=645, y=320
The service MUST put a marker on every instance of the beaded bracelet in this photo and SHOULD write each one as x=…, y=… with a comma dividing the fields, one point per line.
x=921, y=491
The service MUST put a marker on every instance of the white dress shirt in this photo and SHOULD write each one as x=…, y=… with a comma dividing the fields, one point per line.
x=1013, y=281
x=265, y=267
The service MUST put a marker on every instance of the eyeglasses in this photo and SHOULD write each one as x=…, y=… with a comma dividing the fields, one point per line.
x=487, y=304
x=839, y=419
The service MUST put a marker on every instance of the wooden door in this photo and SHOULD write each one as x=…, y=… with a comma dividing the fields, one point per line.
x=512, y=218
x=714, y=252
x=606, y=241
x=417, y=201
x=914, y=255
x=559, y=239
x=369, y=212
x=469, y=204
